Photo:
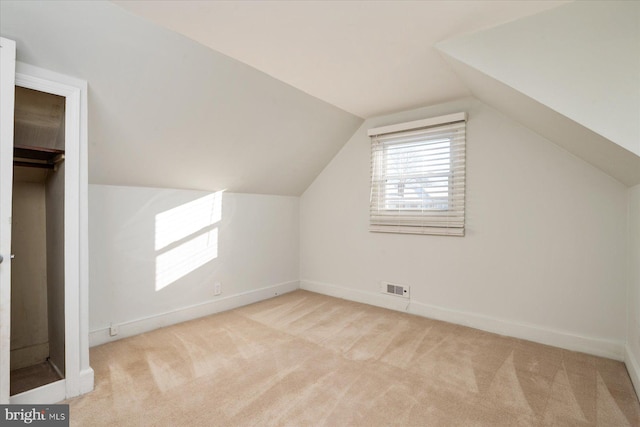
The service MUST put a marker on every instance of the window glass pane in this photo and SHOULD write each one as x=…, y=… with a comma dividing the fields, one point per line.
x=417, y=175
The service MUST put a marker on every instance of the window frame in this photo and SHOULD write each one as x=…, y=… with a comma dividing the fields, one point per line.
x=421, y=219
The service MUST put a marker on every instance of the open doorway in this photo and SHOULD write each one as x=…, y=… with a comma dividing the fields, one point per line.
x=67, y=164
x=37, y=355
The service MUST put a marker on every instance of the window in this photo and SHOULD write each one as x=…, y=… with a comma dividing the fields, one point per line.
x=418, y=176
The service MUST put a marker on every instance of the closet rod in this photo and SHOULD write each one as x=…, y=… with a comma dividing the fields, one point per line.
x=38, y=157
x=34, y=164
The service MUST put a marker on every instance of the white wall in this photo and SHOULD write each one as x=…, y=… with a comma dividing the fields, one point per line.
x=632, y=358
x=256, y=248
x=544, y=255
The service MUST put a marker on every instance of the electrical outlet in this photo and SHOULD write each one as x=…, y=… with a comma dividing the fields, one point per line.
x=217, y=288
x=113, y=330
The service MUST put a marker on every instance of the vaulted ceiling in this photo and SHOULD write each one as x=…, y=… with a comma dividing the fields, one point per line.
x=365, y=57
x=257, y=96
x=165, y=111
x=564, y=69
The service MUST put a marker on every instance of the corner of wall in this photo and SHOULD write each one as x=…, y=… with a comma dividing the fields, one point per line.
x=146, y=324
x=632, y=347
x=558, y=338
x=633, y=367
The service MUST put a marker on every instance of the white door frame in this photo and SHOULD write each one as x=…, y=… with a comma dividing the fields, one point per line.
x=78, y=374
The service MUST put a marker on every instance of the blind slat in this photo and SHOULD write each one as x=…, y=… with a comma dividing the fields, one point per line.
x=418, y=180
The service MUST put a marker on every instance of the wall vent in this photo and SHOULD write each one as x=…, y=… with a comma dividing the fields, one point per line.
x=395, y=289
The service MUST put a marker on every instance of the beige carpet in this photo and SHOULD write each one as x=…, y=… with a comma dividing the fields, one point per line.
x=304, y=359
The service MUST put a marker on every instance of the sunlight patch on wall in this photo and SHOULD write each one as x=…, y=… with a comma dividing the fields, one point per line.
x=186, y=238
x=182, y=221
x=183, y=259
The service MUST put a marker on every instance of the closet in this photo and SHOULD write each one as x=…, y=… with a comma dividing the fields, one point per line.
x=37, y=353
x=44, y=246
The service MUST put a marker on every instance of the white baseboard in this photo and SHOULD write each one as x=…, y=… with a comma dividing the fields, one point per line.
x=633, y=368
x=53, y=392
x=43, y=395
x=217, y=305
x=563, y=339
x=86, y=381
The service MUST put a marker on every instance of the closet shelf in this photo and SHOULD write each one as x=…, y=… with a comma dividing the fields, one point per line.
x=38, y=157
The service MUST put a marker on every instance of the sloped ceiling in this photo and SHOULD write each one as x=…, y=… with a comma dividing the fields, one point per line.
x=366, y=57
x=567, y=70
x=165, y=111
x=572, y=74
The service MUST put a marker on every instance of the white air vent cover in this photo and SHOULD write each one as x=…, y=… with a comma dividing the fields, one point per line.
x=395, y=289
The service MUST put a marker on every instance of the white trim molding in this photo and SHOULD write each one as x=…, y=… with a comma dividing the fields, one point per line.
x=217, y=305
x=633, y=368
x=53, y=392
x=78, y=374
x=44, y=395
x=557, y=338
x=417, y=124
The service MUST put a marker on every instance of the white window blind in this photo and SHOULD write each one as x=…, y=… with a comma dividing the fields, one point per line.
x=418, y=176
